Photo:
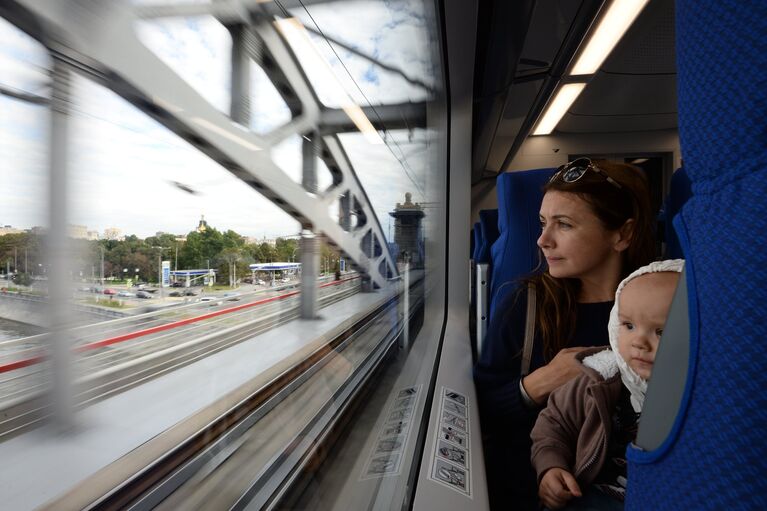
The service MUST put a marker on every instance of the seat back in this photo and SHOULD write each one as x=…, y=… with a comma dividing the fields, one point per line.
x=714, y=456
x=477, y=236
x=515, y=253
x=483, y=267
x=678, y=195
x=488, y=226
x=472, y=244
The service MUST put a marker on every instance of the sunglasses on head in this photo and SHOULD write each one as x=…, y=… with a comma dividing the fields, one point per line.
x=573, y=171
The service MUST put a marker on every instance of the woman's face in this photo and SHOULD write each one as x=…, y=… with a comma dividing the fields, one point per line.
x=573, y=239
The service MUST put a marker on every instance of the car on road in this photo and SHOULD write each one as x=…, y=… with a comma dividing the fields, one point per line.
x=211, y=299
x=176, y=293
x=260, y=282
x=232, y=296
x=110, y=291
x=143, y=294
x=177, y=284
x=126, y=294
x=190, y=293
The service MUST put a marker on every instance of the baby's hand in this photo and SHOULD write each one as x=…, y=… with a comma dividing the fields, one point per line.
x=557, y=487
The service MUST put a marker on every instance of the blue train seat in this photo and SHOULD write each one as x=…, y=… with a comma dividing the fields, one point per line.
x=679, y=194
x=515, y=253
x=714, y=456
x=477, y=236
x=488, y=232
x=488, y=224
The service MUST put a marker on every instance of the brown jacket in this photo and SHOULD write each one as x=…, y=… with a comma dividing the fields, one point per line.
x=572, y=431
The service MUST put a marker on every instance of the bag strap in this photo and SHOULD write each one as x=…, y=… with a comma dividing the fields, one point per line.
x=527, y=350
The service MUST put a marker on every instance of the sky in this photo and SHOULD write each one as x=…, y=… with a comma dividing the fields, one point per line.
x=123, y=164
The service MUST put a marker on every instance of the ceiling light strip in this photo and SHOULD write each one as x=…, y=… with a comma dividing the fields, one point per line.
x=565, y=96
x=616, y=21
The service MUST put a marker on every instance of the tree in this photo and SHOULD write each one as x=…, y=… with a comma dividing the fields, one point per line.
x=231, y=239
x=163, y=240
x=200, y=248
x=264, y=253
x=228, y=261
x=285, y=249
x=23, y=279
x=329, y=258
x=20, y=249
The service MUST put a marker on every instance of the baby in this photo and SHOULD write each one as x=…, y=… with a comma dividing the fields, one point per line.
x=580, y=438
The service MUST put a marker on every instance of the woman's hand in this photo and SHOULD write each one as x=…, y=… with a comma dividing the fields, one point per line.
x=562, y=368
x=557, y=487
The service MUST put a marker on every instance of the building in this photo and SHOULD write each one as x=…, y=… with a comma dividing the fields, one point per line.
x=7, y=229
x=272, y=242
x=78, y=232
x=113, y=233
x=203, y=225
x=408, y=234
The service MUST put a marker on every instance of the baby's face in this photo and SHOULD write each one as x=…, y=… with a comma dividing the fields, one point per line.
x=644, y=305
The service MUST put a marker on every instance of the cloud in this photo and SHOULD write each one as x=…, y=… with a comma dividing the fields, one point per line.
x=197, y=49
x=24, y=168
x=393, y=32
x=123, y=177
x=371, y=76
x=267, y=109
x=122, y=162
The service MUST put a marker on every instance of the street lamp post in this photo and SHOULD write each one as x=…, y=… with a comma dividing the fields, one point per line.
x=159, y=271
x=125, y=275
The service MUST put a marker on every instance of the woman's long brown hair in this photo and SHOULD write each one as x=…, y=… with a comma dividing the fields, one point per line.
x=557, y=298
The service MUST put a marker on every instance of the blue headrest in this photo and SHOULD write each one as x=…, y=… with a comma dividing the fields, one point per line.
x=488, y=223
x=477, y=241
x=680, y=191
x=514, y=253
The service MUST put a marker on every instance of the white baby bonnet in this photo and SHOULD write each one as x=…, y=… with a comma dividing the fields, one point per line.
x=635, y=383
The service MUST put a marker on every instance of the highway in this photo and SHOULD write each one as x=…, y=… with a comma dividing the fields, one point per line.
x=117, y=354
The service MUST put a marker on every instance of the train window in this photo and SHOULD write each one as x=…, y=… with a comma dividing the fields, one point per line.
x=24, y=174
x=247, y=282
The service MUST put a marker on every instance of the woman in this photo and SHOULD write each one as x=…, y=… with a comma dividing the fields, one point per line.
x=595, y=229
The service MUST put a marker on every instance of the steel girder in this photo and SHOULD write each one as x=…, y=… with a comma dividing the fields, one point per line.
x=97, y=38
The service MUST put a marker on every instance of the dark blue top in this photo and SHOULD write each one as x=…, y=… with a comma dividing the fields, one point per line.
x=505, y=420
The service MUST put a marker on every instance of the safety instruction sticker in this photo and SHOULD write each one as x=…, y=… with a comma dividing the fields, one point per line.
x=451, y=459
x=385, y=457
